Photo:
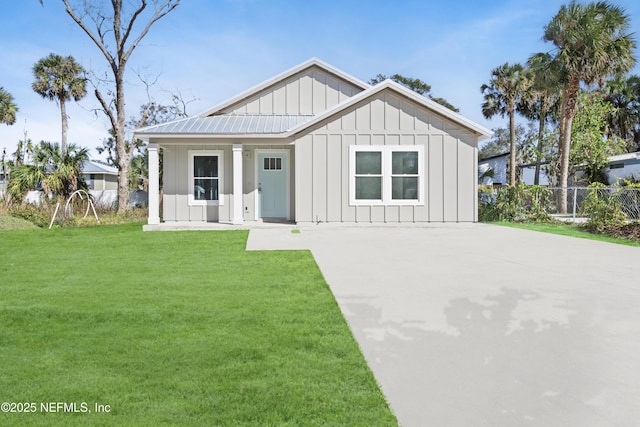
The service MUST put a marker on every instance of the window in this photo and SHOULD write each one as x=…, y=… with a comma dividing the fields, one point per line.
x=272, y=164
x=404, y=175
x=205, y=178
x=368, y=175
x=384, y=175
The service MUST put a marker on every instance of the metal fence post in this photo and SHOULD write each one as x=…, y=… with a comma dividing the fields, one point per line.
x=575, y=202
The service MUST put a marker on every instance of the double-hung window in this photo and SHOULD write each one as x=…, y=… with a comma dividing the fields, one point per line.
x=386, y=175
x=205, y=177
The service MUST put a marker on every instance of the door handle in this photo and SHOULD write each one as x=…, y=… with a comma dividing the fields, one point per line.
x=259, y=187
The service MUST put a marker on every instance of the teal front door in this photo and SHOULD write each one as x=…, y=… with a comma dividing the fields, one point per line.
x=273, y=196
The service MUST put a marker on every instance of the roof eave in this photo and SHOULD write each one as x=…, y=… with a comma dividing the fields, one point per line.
x=156, y=136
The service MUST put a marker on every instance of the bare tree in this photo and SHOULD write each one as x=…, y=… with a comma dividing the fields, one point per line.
x=112, y=32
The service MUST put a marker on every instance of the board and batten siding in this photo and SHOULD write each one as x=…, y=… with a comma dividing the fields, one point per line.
x=176, y=186
x=312, y=91
x=322, y=163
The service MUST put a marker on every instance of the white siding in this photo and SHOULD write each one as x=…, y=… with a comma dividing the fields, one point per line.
x=322, y=159
x=312, y=91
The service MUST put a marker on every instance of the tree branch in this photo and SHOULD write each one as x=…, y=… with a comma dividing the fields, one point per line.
x=135, y=15
x=106, y=109
x=158, y=14
x=98, y=41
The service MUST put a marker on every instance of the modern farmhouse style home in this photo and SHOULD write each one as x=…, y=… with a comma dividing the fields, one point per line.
x=312, y=145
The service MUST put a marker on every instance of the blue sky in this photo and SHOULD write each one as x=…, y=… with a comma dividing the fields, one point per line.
x=211, y=50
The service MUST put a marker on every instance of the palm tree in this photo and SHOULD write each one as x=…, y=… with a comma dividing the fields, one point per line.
x=60, y=79
x=8, y=108
x=592, y=42
x=541, y=103
x=624, y=121
x=59, y=173
x=506, y=88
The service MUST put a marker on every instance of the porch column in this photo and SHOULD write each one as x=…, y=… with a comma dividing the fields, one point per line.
x=238, y=215
x=154, y=184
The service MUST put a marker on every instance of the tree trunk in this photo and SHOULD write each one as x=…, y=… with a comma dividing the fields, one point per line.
x=543, y=116
x=122, y=153
x=512, y=144
x=63, y=113
x=569, y=109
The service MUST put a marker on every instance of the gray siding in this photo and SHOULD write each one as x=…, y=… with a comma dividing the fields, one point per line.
x=176, y=186
x=322, y=160
x=311, y=91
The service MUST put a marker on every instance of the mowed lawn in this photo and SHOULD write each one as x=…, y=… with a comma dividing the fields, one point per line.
x=175, y=328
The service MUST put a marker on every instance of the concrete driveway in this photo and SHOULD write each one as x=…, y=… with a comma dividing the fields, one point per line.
x=480, y=325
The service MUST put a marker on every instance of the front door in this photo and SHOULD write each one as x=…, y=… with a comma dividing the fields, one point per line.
x=272, y=184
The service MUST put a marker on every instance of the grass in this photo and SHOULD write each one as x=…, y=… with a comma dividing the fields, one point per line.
x=568, y=230
x=11, y=223
x=175, y=328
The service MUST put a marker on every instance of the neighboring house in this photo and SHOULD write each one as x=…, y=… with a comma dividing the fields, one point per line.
x=312, y=145
x=3, y=182
x=527, y=173
x=497, y=164
x=102, y=181
x=623, y=166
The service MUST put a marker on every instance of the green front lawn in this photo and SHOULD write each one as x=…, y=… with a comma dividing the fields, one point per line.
x=175, y=328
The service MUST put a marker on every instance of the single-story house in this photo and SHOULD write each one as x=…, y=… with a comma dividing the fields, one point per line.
x=623, y=166
x=102, y=181
x=527, y=174
x=497, y=165
x=314, y=144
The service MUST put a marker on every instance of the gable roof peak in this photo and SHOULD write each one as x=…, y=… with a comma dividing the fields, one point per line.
x=283, y=76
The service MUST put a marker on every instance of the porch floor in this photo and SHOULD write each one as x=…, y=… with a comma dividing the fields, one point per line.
x=195, y=225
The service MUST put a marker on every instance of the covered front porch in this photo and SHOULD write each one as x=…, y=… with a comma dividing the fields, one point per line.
x=230, y=184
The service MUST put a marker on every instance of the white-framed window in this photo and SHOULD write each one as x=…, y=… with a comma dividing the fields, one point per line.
x=205, y=177
x=386, y=175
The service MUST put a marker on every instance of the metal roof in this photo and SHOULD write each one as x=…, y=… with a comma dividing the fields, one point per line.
x=94, y=167
x=230, y=124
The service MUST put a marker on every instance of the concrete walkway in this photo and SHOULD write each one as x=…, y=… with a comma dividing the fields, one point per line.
x=480, y=325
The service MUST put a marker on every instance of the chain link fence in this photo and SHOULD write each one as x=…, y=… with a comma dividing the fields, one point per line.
x=536, y=200
x=628, y=199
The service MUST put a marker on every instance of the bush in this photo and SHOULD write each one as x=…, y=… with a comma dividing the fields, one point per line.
x=41, y=215
x=38, y=215
x=522, y=203
x=603, y=209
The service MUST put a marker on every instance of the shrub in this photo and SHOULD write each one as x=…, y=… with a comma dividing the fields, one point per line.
x=38, y=215
x=603, y=209
x=522, y=203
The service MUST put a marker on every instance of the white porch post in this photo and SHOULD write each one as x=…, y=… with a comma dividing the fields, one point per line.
x=154, y=184
x=238, y=214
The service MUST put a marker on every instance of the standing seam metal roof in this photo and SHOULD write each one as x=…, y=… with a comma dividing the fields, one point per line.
x=231, y=124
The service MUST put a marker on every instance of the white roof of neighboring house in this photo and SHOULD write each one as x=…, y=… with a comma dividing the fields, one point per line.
x=495, y=156
x=625, y=156
x=282, y=126
x=93, y=167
